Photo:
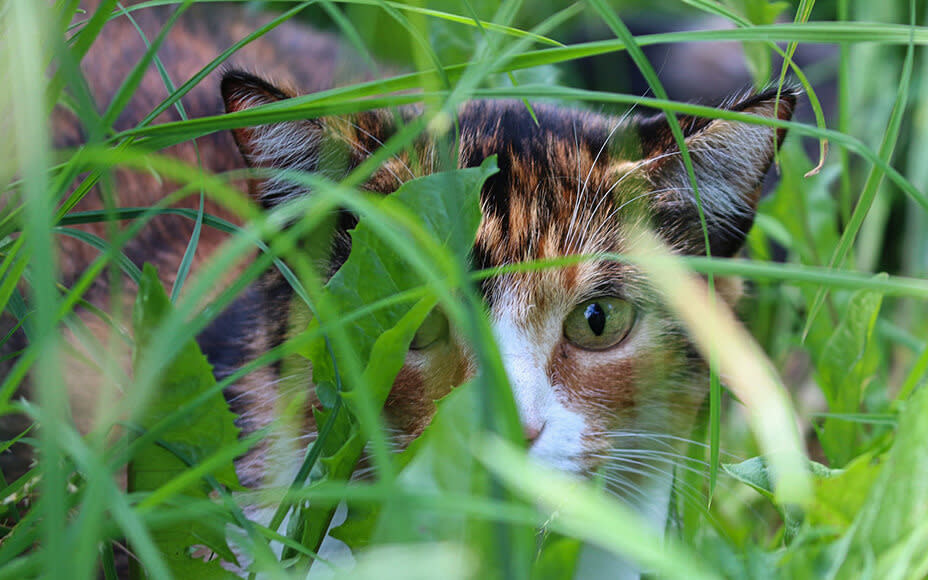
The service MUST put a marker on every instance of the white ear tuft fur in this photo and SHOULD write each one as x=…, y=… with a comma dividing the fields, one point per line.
x=729, y=159
x=288, y=145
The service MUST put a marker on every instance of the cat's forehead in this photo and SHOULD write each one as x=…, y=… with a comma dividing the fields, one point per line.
x=560, y=187
x=562, y=177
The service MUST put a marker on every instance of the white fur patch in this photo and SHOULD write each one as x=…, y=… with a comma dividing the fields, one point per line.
x=292, y=146
x=525, y=355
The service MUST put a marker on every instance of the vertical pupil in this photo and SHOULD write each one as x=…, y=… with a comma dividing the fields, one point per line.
x=596, y=318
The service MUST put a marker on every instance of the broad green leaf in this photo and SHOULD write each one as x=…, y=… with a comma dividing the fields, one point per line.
x=752, y=472
x=896, y=507
x=204, y=431
x=447, y=204
x=338, y=462
x=838, y=498
x=844, y=369
x=558, y=559
x=845, y=348
x=438, y=461
x=755, y=473
x=804, y=210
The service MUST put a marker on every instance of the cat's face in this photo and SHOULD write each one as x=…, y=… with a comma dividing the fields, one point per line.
x=598, y=369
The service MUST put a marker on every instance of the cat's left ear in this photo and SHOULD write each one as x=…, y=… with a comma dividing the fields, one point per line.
x=330, y=146
x=729, y=159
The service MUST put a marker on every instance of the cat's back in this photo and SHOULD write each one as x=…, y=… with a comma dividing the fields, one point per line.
x=291, y=53
x=295, y=55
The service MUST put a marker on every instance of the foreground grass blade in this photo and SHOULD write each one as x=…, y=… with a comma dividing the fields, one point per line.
x=715, y=388
x=872, y=186
x=579, y=510
x=748, y=373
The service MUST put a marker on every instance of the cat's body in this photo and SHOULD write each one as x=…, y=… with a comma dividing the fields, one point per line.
x=603, y=378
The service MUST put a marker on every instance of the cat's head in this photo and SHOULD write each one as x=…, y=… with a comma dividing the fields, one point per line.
x=596, y=364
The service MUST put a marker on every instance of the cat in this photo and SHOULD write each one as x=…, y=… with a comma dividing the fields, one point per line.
x=604, y=379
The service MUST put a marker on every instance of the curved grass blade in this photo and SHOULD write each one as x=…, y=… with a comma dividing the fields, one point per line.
x=439, y=14
x=184, y=268
x=308, y=107
x=748, y=373
x=125, y=264
x=580, y=511
x=871, y=187
x=641, y=61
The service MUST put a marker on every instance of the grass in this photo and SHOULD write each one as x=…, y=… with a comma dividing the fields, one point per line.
x=837, y=305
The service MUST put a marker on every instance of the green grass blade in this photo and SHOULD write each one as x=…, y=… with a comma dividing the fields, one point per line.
x=585, y=513
x=99, y=243
x=11, y=270
x=25, y=30
x=134, y=79
x=184, y=268
x=871, y=187
x=641, y=61
x=219, y=60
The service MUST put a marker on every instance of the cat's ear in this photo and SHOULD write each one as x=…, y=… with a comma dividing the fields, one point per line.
x=729, y=159
x=301, y=145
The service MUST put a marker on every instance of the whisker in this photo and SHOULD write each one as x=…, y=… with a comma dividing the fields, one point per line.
x=573, y=218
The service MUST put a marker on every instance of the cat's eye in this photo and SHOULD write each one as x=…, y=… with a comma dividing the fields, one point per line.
x=599, y=323
x=433, y=329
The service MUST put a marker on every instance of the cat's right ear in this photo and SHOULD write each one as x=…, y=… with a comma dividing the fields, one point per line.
x=299, y=145
x=729, y=161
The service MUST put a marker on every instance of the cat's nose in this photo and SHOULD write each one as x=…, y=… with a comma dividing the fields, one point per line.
x=532, y=432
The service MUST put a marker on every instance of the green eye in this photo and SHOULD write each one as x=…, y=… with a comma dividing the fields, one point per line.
x=599, y=323
x=433, y=329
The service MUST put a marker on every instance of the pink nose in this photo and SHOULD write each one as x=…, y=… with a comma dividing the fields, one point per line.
x=532, y=432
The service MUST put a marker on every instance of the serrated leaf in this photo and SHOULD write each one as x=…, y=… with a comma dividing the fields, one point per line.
x=358, y=528
x=201, y=433
x=387, y=357
x=447, y=205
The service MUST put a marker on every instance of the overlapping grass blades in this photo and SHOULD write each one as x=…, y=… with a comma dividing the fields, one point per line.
x=79, y=510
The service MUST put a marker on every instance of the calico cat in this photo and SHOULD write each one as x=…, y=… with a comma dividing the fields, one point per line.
x=603, y=377
x=591, y=356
